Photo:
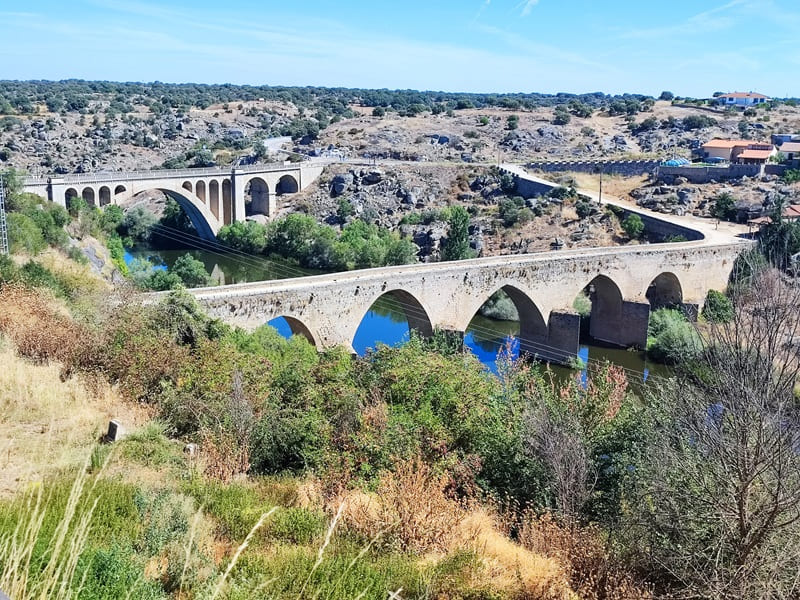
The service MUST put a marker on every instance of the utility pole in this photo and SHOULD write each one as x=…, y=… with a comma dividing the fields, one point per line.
x=3, y=225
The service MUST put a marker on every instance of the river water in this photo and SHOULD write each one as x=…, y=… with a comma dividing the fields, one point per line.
x=385, y=322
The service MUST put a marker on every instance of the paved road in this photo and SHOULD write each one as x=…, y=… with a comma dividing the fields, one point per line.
x=714, y=232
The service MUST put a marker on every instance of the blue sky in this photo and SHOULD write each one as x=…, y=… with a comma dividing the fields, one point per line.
x=689, y=47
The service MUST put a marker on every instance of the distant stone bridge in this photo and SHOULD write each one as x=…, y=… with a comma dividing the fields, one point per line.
x=211, y=197
x=624, y=284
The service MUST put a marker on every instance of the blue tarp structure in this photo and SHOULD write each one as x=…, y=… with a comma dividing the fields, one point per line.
x=675, y=162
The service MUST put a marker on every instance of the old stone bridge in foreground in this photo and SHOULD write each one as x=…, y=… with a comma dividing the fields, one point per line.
x=211, y=197
x=624, y=283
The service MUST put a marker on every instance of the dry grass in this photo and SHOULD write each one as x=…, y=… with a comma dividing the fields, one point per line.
x=46, y=423
x=412, y=512
x=583, y=554
x=613, y=185
x=38, y=326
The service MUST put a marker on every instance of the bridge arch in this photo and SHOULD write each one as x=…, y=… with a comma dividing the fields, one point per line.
x=296, y=327
x=120, y=189
x=665, y=291
x=187, y=185
x=533, y=331
x=69, y=195
x=104, y=195
x=206, y=224
x=200, y=190
x=88, y=195
x=227, y=202
x=396, y=301
x=257, y=197
x=287, y=185
x=605, y=315
x=213, y=197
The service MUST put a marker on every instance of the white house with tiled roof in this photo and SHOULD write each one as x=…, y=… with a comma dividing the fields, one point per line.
x=738, y=151
x=742, y=99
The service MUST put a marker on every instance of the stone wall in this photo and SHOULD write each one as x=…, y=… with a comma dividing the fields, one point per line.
x=626, y=168
x=706, y=174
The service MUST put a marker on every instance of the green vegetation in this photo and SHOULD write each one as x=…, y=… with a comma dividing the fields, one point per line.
x=457, y=245
x=718, y=308
x=724, y=207
x=300, y=238
x=633, y=226
x=671, y=338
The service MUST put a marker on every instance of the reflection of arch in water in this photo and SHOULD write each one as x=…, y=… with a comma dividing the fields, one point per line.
x=533, y=330
x=295, y=327
x=665, y=292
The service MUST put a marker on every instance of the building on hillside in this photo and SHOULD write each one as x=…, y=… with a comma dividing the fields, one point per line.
x=781, y=138
x=791, y=153
x=742, y=99
x=737, y=151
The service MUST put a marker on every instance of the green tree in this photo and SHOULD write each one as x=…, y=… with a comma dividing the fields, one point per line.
x=633, y=226
x=138, y=223
x=191, y=272
x=724, y=207
x=512, y=122
x=457, y=245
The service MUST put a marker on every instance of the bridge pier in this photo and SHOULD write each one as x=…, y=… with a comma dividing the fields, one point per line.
x=237, y=187
x=561, y=343
x=626, y=326
x=58, y=191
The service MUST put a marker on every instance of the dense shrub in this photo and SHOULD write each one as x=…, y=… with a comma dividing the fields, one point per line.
x=671, y=338
x=633, y=226
x=717, y=308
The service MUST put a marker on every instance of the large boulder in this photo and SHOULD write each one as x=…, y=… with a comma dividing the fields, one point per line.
x=340, y=183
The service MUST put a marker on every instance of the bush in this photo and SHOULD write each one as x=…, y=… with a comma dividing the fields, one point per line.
x=724, y=207
x=717, y=308
x=633, y=226
x=671, y=339
x=24, y=235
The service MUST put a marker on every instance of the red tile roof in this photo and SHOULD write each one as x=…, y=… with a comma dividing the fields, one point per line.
x=756, y=154
x=790, y=147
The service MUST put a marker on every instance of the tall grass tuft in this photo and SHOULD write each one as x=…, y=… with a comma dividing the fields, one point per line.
x=21, y=577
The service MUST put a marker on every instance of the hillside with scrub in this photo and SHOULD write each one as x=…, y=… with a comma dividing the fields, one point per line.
x=254, y=466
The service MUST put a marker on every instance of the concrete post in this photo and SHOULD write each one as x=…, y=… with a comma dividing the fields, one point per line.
x=237, y=190
x=57, y=191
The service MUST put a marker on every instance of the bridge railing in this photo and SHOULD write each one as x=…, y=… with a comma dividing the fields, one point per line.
x=104, y=177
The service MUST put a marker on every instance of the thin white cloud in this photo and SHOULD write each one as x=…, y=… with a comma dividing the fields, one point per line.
x=527, y=6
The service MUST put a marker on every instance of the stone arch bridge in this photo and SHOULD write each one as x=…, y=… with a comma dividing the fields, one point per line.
x=624, y=284
x=211, y=197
